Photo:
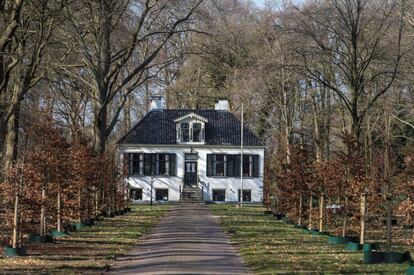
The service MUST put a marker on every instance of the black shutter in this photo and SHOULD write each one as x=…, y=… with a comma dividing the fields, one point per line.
x=173, y=165
x=233, y=165
x=256, y=166
x=230, y=165
x=127, y=159
x=237, y=166
x=154, y=165
x=209, y=165
x=147, y=164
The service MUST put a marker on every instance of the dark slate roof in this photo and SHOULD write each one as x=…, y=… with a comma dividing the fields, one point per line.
x=158, y=127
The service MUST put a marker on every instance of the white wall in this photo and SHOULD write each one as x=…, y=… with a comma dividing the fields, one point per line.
x=231, y=185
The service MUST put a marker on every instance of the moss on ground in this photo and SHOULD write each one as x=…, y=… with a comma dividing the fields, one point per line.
x=269, y=246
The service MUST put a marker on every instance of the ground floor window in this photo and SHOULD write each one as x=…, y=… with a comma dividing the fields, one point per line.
x=247, y=195
x=219, y=194
x=161, y=194
x=135, y=194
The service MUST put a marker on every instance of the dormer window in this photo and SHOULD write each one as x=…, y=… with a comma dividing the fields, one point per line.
x=185, y=132
x=196, y=132
x=190, y=128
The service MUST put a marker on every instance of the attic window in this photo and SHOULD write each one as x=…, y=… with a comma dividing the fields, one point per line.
x=196, y=132
x=191, y=132
x=190, y=128
x=185, y=132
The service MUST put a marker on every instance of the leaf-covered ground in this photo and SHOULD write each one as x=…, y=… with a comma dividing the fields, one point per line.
x=89, y=250
x=269, y=246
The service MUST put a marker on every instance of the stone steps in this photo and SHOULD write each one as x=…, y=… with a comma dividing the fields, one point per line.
x=191, y=195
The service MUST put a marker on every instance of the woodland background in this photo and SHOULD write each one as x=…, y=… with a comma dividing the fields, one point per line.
x=327, y=85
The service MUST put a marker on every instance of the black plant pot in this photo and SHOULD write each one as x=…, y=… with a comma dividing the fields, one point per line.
x=14, y=252
x=46, y=239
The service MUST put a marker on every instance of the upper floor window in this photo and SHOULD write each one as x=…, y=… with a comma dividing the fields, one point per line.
x=190, y=128
x=196, y=132
x=185, y=132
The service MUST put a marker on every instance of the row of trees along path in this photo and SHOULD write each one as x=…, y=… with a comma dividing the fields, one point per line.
x=55, y=182
x=343, y=189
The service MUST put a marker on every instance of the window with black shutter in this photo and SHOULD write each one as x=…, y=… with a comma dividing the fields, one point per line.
x=173, y=165
x=229, y=165
x=134, y=163
x=247, y=165
x=233, y=165
x=162, y=164
x=256, y=165
x=219, y=165
x=152, y=164
x=149, y=164
x=209, y=165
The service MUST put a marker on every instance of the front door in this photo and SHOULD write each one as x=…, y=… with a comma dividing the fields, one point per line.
x=190, y=175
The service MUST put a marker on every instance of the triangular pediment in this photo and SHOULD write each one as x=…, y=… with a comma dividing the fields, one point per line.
x=191, y=116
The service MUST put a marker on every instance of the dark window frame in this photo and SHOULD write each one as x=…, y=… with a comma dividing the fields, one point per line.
x=185, y=132
x=197, y=135
x=246, y=193
x=162, y=190
x=152, y=164
x=221, y=164
x=214, y=194
x=231, y=163
x=133, y=194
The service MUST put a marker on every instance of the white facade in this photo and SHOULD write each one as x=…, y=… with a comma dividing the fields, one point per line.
x=231, y=185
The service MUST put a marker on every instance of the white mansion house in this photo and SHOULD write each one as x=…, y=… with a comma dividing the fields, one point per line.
x=177, y=155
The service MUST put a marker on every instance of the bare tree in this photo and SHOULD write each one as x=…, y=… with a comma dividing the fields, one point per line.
x=119, y=44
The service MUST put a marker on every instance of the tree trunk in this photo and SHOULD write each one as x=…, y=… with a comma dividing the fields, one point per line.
x=300, y=209
x=310, y=211
x=11, y=140
x=59, y=218
x=16, y=216
x=79, y=206
x=96, y=203
x=321, y=211
x=387, y=178
x=43, y=213
x=99, y=127
x=345, y=218
x=389, y=224
x=363, y=218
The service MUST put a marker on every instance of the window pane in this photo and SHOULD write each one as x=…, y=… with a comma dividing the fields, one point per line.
x=219, y=164
x=197, y=132
x=247, y=195
x=148, y=165
x=135, y=194
x=162, y=169
x=161, y=194
x=219, y=195
x=134, y=163
x=185, y=132
x=246, y=166
x=233, y=165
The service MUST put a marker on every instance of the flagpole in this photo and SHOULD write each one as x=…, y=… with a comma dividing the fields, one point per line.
x=241, y=158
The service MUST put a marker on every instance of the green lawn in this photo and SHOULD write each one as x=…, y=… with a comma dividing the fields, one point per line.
x=89, y=250
x=269, y=246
